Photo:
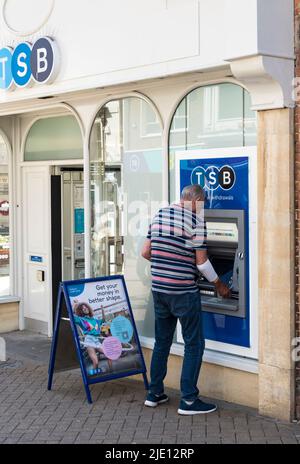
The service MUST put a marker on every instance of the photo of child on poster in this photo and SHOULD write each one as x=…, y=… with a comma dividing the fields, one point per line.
x=104, y=326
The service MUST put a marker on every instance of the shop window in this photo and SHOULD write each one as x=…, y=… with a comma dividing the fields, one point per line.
x=55, y=138
x=150, y=125
x=126, y=175
x=215, y=116
x=4, y=221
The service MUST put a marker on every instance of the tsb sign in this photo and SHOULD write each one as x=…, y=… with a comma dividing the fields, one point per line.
x=29, y=63
x=213, y=177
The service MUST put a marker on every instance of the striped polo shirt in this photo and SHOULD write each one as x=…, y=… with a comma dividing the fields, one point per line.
x=175, y=234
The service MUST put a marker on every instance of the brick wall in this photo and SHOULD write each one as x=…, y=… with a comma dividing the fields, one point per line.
x=297, y=199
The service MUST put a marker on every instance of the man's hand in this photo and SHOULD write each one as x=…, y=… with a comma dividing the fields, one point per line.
x=222, y=289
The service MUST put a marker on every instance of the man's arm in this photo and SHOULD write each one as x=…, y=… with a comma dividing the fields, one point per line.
x=146, y=250
x=202, y=260
x=201, y=256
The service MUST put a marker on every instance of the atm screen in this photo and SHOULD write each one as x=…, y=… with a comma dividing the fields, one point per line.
x=222, y=231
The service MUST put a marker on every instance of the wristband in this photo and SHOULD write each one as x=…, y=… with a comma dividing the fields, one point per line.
x=208, y=271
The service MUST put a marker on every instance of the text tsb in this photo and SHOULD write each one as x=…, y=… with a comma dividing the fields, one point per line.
x=28, y=63
x=213, y=177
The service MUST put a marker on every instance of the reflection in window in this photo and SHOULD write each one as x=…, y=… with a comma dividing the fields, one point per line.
x=213, y=116
x=126, y=167
x=150, y=124
x=4, y=221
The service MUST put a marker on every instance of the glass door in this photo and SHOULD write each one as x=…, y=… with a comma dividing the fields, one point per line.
x=112, y=250
x=106, y=193
x=126, y=179
x=107, y=249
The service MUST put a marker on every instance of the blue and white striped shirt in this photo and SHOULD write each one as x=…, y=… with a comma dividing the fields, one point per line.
x=175, y=234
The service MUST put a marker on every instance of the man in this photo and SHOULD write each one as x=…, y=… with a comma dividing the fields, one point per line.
x=176, y=247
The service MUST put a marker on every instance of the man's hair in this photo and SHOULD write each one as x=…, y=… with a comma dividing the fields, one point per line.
x=193, y=192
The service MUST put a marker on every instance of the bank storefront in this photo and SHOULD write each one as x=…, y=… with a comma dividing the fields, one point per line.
x=91, y=148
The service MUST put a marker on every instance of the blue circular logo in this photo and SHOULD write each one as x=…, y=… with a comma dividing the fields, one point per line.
x=20, y=66
x=198, y=176
x=212, y=178
x=6, y=77
x=42, y=60
x=122, y=329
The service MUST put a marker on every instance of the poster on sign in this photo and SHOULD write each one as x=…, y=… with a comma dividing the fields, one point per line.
x=104, y=330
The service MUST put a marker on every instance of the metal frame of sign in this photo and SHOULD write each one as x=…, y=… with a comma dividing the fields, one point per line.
x=63, y=293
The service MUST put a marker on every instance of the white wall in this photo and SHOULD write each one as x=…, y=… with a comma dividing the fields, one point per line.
x=109, y=42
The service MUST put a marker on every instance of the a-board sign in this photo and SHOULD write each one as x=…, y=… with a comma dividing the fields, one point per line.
x=103, y=328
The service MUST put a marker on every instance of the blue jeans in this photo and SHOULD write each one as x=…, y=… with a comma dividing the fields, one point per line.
x=168, y=309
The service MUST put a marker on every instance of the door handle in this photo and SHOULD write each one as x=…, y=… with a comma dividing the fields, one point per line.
x=40, y=275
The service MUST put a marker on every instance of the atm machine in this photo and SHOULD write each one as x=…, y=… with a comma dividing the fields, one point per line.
x=230, y=218
x=226, y=251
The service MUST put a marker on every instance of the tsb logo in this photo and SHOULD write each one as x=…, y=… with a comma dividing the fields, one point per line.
x=28, y=63
x=213, y=177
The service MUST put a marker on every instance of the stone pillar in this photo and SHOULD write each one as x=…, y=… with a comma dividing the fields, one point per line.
x=276, y=307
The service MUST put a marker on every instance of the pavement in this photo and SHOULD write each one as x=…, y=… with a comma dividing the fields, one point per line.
x=31, y=414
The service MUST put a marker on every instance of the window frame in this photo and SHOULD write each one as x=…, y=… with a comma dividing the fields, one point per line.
x=211, y=355
x=183, y=97
x=12, y=277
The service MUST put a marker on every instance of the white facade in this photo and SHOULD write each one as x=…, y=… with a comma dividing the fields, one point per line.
x=109, y=43
x=156, y=50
